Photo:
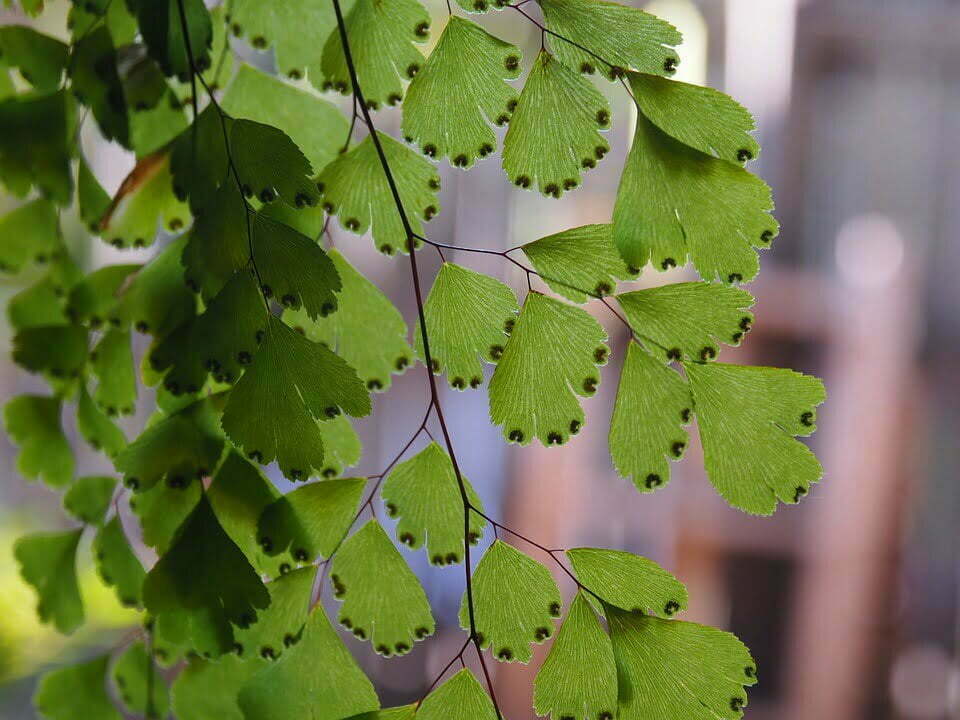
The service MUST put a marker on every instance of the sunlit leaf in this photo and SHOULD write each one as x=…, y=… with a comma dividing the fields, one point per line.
x=33, y=424
x=88, y=499
x=279, y=626
x=117, y=564
x=48, y=562
x=139, y=684
x=112, y=361
x=31, y=234
x=629, y=581
x=461, y=697
x=515, y=602
x=93, y=299
x=76, y=691
x=207, y=689
x=100, y=432
x=163, y=509
x=60, y=350
x=383, y=601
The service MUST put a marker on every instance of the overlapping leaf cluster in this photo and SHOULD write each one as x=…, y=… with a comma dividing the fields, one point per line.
x=261, y=343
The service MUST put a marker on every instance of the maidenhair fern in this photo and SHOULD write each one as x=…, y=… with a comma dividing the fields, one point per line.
x=264, y=343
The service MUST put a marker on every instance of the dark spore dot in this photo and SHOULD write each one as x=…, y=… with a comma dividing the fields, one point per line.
x=587, y=68
x=807, y=419
x=485, y=149
x=746, y=323
x=422, y=30
x=117, y=242
x=502, y=120
x=570, y=184
x=383, y=650
x=266, y=543
x=509, y=324
x=800, y=492
x=575, y=426
x=671, y=607
x=516, y=435
x=243, y=357
x=480, y=6
x=554, y=609
x=708, y=353
x=267, y=291
x=268, y=653
x=460, y=161
x=505, y=654
x=522, y=181
x=668, y=263
x=435, y=365
x=744, y=155
x=512, y=104
x=541, y=633
x=285, y=568
x=673, y=354
x=600, y=151
x=677, y=448
x=590, y=385
x=332, y=411
x=294, y=74
x=436, y=560
x=387, y=249
x=328, y=472
x=430, y=150
x=296, y=475
x=412, y=70
x=554, y=438
x=401, y=648
x=605, y=715
x=603, y=288
x=475, y=382
x=766, y=237
x=473, y=537
x=737, y=336
x=734, y=278
x=670, y=65
x=321, y=187
x=600, y=354
x=245, y=620
x=452, y=558
x=374, y=384
x=512, y=62
x=459, y=383
x=391, y=509
x=496, y=352
x=589, y=163
x=346, y=622
x=301, y=555
x=407, y=539
x=393, y=99
x=685, y=415
x=429, y=212
x=255, y=455
x=289, y=640
x=750, y=671
x=177, y=482
x=736, y=704
x=401, y=362
x=616, y=72
x=653, y=480
x=421, y=632
x=603, y=118
x=552, y=190
x=302, y=200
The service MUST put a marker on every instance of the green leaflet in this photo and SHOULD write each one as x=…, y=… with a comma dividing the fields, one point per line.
x=31, y=234
x=747, y=418
x=76, y=691
x=383, y=600
x=629, y=581
x=161, y=25
x=144, y=202
x=310, y=521
x=40, y=58
x=139, y=684
x=116, y=16
x=162, y=510
x=515, y=602
x=39, y=304
x=96, y=83
x=270, y=164
x=381, y=36
x=701, y=117
x=579, y=263
x=677, y=670
x=689, y=320
x=93, y=299
x=205, y=581
x=48, y=562
x=459, y=92
x=181, y=446
x=317, y=127
x=355, y=188
x=88, y=499
x=366, y=329
x=341, y=446
x=239, y=494
x=112, y=361
x=317, y=679
x=294, y=28
x=207, y=689
x=92, y=199
x=424, y=493
x=96, y=428
x=300, y=381
x=222, y=340
x=36, y=144
x=60, y=350
x=460, y=697
x=554, y=134
x=653, y=405
x=579, y=677
x=469, y=316
x=292, y=267
x=33, y=423
x=157, y=299
x=220, y=70
x=281, y=624
x=117, y=564
x=660, y=215
x=551, y=357
x=625, y=36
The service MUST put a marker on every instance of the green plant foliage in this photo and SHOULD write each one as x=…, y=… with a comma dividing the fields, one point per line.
x=138, y=683
x=677, y=670
x=652, y=407
x=391, y=609
x=366, y=330
x=689, y=320
x=550, y=359
x=516, y=601
x=205, y=579
x=618, y=37
x=354, y=189
x=310, y=521
x=580, y=262
x=554, y=133
x=315, y=125
x=88, y=498
x=628, y=581
x=468, y=316
x=33, y=423
x=461, y=696
x=660, y=216
x=206, y=689
x=117, y=564
x=265, y=343
x=40, y=58
x=459, y=92
x=31, y=235
x=76, y=691
x=290, y=688
x=302, y=381
x=383, y=34
x=280, y=625
x=48, y=562
x=579, y=677
x=758, y=411
x=96, y=428
x=423, y=492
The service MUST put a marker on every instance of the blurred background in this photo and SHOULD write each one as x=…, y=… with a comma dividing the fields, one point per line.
x=848, y=601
